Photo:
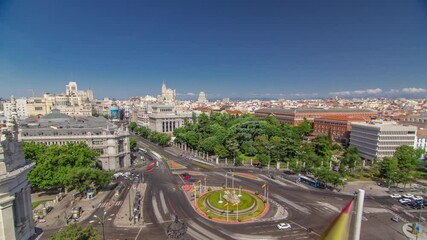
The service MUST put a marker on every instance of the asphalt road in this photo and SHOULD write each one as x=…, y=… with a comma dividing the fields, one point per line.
x=307, y=207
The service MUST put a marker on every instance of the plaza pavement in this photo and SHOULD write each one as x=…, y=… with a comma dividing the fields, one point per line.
x=122, y=217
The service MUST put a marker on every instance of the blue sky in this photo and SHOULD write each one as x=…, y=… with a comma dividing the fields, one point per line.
x=253, y=49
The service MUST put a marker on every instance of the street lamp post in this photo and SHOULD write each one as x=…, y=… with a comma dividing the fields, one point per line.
x=102, y=220
x=269, y=148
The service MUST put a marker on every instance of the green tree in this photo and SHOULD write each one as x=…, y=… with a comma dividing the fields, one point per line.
x=407, y=157
x=163, y=139
x=351, y=159
x=208, y=144
x=55, y=162
x=389, y=170
x=132, y=126
x=76, y=232
x=232, y=147
x=305, y=128
x=133, y=143
x=82, y=178
x=323, y=146
x=220, y=151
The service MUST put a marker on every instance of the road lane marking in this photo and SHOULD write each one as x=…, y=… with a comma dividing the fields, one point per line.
x=163, y=202
x=195, y=234
x=292, y=204
x=203, y=231
x=156, y=210
x=138, y=232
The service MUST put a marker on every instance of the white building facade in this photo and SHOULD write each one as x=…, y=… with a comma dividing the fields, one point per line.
x=165, y=118
x=16, y=216
x=110, y=141
x=379, y=140
x=20, y=106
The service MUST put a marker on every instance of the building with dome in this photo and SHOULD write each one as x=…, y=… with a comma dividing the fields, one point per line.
x=202, y=98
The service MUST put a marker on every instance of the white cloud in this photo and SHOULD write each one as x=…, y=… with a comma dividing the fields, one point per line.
x=368, y=91
x=393, y=91
x=372, y=91
x=304, y=94
x=341, y=93
x=413, y=90
x=190, y=94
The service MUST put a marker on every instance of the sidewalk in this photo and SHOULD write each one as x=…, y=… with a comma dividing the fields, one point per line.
x=58, y=216
x=122, y=217
x=407, y=230
x=371, y=188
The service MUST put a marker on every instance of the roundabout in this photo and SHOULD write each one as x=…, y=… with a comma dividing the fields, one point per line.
x=231, y=205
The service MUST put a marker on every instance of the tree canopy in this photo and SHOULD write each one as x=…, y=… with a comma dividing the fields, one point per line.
x=161, y=138
x=59, y=166
x=76, y=232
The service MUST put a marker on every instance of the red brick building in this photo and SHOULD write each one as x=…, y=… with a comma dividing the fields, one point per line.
x=338, y=126
x=296, y=116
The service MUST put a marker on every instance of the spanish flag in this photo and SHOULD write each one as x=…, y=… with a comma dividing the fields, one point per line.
x=264, y=185
x=226, y=204
x=340, y=227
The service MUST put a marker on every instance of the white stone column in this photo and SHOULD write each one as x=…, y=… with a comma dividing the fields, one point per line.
x=29, y=212
x=7, y=223
x=217, y=161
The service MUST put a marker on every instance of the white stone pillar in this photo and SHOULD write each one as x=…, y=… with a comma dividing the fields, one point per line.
x=278, y=165
x=27, y=199
x=7, y=227
x=217, y=161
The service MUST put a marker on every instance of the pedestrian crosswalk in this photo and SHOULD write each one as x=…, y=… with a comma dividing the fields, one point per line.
x=109, y=204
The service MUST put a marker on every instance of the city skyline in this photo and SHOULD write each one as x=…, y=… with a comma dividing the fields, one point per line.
x=274, y=49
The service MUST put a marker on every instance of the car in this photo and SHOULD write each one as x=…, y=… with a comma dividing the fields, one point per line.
x=272, y=176
x=395, y=195
x=408, y=195
x=405, y=201
x=395, y=218
x=417, y=198
x=283, y=226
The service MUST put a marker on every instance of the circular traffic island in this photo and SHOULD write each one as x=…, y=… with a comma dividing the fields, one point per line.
x=231, y=205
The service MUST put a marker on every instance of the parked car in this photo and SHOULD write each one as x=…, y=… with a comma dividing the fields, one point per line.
x=395, y=195
x=408, y=195
x=283, y=226
x=418, y=198
x=405, y=201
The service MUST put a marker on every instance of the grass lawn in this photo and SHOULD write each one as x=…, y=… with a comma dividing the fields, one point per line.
x=245, y=175
x=260, y=204
x=205, y=166
x=358, y=178
x=36, y=203
x=245, y=201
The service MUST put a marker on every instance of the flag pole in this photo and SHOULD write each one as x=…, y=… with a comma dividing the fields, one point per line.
x=359, y=212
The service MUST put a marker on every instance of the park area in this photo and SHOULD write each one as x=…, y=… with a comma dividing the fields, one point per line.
x=231, y=205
